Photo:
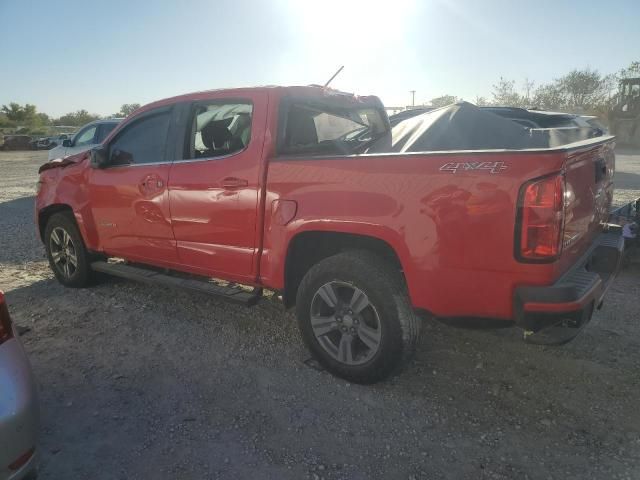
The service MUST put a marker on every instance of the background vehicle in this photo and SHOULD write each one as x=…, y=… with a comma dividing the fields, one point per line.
x=47, y=143
x=87, y=137
x=19, y=416
x=624, y=118
x=16, y=142
x=279, y=188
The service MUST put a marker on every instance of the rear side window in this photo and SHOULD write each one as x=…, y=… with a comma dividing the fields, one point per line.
x=219, y=129
x=142, y=141
x=317, y=128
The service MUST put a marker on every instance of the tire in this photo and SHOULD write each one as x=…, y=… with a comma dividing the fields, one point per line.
x=68, y=257
x=371, y=330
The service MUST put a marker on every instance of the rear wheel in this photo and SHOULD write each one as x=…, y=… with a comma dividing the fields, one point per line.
x=355, y=316
x=66, y=252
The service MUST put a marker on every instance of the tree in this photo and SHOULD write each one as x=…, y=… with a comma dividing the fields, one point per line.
x=443, y=101
x=584, y=88
x=549, y=97
x=528, y=87
x=632, y=71
x=504, y=94
x=77, y=118
x=127, y=109
x=41, y=119
x=4, y=121
x=20, y=114
x=481, y=101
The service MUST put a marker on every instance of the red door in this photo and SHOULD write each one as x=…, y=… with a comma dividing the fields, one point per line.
x=214, y=189
x=129, y=197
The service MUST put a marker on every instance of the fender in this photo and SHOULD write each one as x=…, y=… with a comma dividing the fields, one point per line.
x=65, y=186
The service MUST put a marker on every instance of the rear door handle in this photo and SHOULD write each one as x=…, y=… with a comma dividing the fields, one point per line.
x=233, y=182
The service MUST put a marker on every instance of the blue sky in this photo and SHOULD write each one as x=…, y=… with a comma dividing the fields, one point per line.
x=67, y=55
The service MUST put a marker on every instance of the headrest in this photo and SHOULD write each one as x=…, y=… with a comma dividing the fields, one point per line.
x=216, y=133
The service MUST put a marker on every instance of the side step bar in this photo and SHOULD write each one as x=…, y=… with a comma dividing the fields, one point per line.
x=147, y=275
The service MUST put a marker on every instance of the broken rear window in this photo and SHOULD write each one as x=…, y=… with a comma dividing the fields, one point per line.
x=315, y=127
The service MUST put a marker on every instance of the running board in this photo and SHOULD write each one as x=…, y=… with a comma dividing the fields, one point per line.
x=147, y=275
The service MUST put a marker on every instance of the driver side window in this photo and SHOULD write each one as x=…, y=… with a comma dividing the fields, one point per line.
x=143, y=141
x=86, y=136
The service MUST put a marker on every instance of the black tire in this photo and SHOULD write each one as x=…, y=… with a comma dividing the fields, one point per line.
x=75, y=276
x=388, y=307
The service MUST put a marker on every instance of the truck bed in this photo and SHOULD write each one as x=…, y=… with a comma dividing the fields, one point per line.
x=449, y=215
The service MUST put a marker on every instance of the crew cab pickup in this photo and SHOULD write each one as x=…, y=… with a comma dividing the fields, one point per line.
x=307, y=192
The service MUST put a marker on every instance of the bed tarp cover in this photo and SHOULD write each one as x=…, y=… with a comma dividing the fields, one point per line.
x=463, y=126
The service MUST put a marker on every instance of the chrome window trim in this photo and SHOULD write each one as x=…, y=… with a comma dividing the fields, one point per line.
x=109, y=167
x=190, y=160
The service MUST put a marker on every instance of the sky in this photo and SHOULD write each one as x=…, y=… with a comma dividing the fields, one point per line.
x=68, y=55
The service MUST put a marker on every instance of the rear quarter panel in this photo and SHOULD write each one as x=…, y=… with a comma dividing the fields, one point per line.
x=451, y=225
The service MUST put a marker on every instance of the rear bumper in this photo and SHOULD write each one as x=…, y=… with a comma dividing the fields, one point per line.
x=555, y=314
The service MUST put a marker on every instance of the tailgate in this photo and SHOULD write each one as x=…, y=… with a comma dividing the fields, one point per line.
x=588, y=195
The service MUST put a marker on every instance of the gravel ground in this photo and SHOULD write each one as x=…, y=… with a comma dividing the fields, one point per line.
x=142, y=382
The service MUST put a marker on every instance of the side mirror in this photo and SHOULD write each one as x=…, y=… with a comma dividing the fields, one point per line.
x=66, y=143
x=99, y=157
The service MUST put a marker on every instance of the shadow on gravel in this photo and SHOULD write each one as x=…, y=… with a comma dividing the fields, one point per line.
x=40, y=289
x=19, y=242
x=16, y=206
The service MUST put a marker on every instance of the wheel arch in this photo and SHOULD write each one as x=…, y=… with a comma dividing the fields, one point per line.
x=85, y=228
x=307, y=248
x=47, y=212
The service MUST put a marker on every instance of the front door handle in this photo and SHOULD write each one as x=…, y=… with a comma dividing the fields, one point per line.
x=233, y=182
x=151, y=184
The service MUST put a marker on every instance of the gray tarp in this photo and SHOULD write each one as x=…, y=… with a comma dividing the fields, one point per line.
x=463, y=126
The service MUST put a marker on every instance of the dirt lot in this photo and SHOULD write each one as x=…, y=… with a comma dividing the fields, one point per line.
x=141, y=382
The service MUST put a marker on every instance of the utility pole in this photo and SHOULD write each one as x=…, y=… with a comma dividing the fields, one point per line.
x=413, y=97
x=528, y=86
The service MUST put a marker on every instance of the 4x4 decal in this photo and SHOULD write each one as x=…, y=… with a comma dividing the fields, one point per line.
x=492, y=167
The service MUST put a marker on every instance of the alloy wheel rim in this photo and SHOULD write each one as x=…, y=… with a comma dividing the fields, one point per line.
x=345, y=323
x=63, y=252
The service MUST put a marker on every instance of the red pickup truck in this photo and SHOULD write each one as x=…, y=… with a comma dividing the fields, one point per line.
x=309, y=193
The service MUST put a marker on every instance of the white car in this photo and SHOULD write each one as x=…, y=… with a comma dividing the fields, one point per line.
x=89, y=136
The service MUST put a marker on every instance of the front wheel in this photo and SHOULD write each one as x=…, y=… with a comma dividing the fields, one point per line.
x=355, y=316
x=68, y=257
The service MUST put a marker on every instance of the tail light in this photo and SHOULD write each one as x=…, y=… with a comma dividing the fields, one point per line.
x=540, y=220
x=5, y=321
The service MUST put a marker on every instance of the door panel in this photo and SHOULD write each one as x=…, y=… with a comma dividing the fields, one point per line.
x=130, y=207
x=129, y=199
x=214, y=197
